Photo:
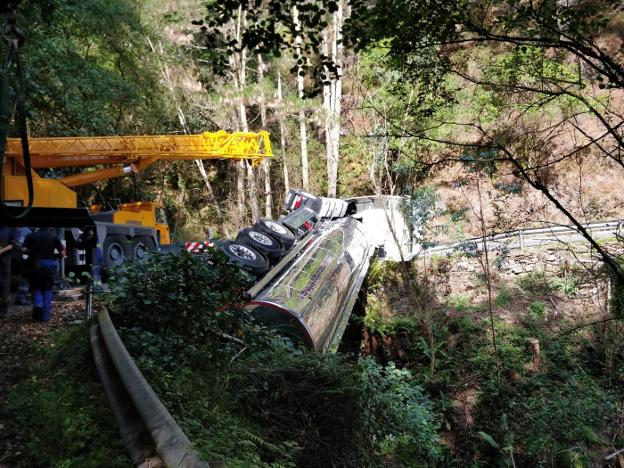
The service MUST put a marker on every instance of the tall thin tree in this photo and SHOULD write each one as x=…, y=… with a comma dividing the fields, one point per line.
x=268, y=198
x=300, y=88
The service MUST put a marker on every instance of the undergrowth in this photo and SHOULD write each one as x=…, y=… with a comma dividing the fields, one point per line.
x=59, y=414
x=557, y=409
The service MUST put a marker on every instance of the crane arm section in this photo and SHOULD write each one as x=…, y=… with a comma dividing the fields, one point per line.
x=119, y=150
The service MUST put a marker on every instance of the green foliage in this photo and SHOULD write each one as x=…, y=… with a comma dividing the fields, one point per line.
x=555, y=417
x=617, y=296
x=310, y=399
x=336, y=409
x=460, y=302
x=537, y=310
x=399, y=414
x=561, y=420
x=264, y=402
x=59, y=413
x=534, y=283
x=353, y=177
x=567, y=285
x=503, y=296
x=481, y=160
x=190, y=295
x=379, y=272
x=376, y=322
x=422, y=205
x=88, y=69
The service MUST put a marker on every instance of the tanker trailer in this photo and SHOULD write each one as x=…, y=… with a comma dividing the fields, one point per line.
x=310, y=294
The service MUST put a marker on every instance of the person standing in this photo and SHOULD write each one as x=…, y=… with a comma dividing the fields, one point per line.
x=8, y=242
x=41, y=246
x=23, y=296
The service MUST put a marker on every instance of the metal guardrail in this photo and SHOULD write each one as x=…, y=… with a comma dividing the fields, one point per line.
x=145, y=425
x=519, y=239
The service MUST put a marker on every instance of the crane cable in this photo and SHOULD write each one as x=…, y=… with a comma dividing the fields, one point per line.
x=14, y=39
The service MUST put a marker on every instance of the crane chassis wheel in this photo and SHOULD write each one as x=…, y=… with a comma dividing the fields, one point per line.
x=114, y=250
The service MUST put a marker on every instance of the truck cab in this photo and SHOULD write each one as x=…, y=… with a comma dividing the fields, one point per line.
x=145, y=214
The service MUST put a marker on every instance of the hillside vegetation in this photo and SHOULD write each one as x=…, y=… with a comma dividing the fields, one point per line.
x=486, y=116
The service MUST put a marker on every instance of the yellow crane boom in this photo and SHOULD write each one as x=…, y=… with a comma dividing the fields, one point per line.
x=121, y=155
x=91, y=151
x=135, y=153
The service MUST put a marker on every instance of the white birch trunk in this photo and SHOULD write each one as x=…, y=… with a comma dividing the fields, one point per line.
x=334, y=100
x=268, y=198
x=302, y=123
x=240, y=165
x=327, y=113
x=242, y=60
x=282, y=127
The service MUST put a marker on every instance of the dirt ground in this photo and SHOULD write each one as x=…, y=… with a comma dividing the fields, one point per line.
x=18, y=334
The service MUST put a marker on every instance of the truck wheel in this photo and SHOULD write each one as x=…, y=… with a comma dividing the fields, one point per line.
x=141, y=246
x=114, y=251
x=245, y=256
x=277, y=230
x=261, y=241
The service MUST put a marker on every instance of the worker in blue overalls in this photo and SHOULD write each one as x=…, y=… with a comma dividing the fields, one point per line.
x=41, y=246
x=8, y=242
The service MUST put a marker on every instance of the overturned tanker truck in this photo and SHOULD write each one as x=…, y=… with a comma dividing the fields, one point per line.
x=310, y=264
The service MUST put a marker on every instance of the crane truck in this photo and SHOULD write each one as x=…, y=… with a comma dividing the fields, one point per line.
x=106, y=235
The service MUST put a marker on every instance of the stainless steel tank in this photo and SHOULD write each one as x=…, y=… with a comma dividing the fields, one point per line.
x=311, y=298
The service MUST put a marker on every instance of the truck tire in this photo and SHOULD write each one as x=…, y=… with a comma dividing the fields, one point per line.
x=276, y=230
x=114, y=251
x=141, y=246
x=245, y=256
x=265, y=243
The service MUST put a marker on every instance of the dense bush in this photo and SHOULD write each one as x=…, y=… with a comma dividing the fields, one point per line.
x=313, y=400
x=192, y=295
x=399, y=415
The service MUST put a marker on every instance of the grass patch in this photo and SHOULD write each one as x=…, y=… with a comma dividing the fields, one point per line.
x=536, y=310
x=504, y=296
x=566, y=285
x=534, y=284
x=462, y=302
x=59, y=413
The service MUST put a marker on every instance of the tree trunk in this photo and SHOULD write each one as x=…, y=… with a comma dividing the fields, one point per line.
x=268, y=199
x=251, y=176
x=332, y=95
x=282, y=127
x=302, y=123
x=327, y=109
x=242, y=111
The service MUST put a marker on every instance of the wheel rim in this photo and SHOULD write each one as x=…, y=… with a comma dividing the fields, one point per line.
x=242, y=252
x=275, y=227
x=115, y=254
x=261, y=238
x=140, y=251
